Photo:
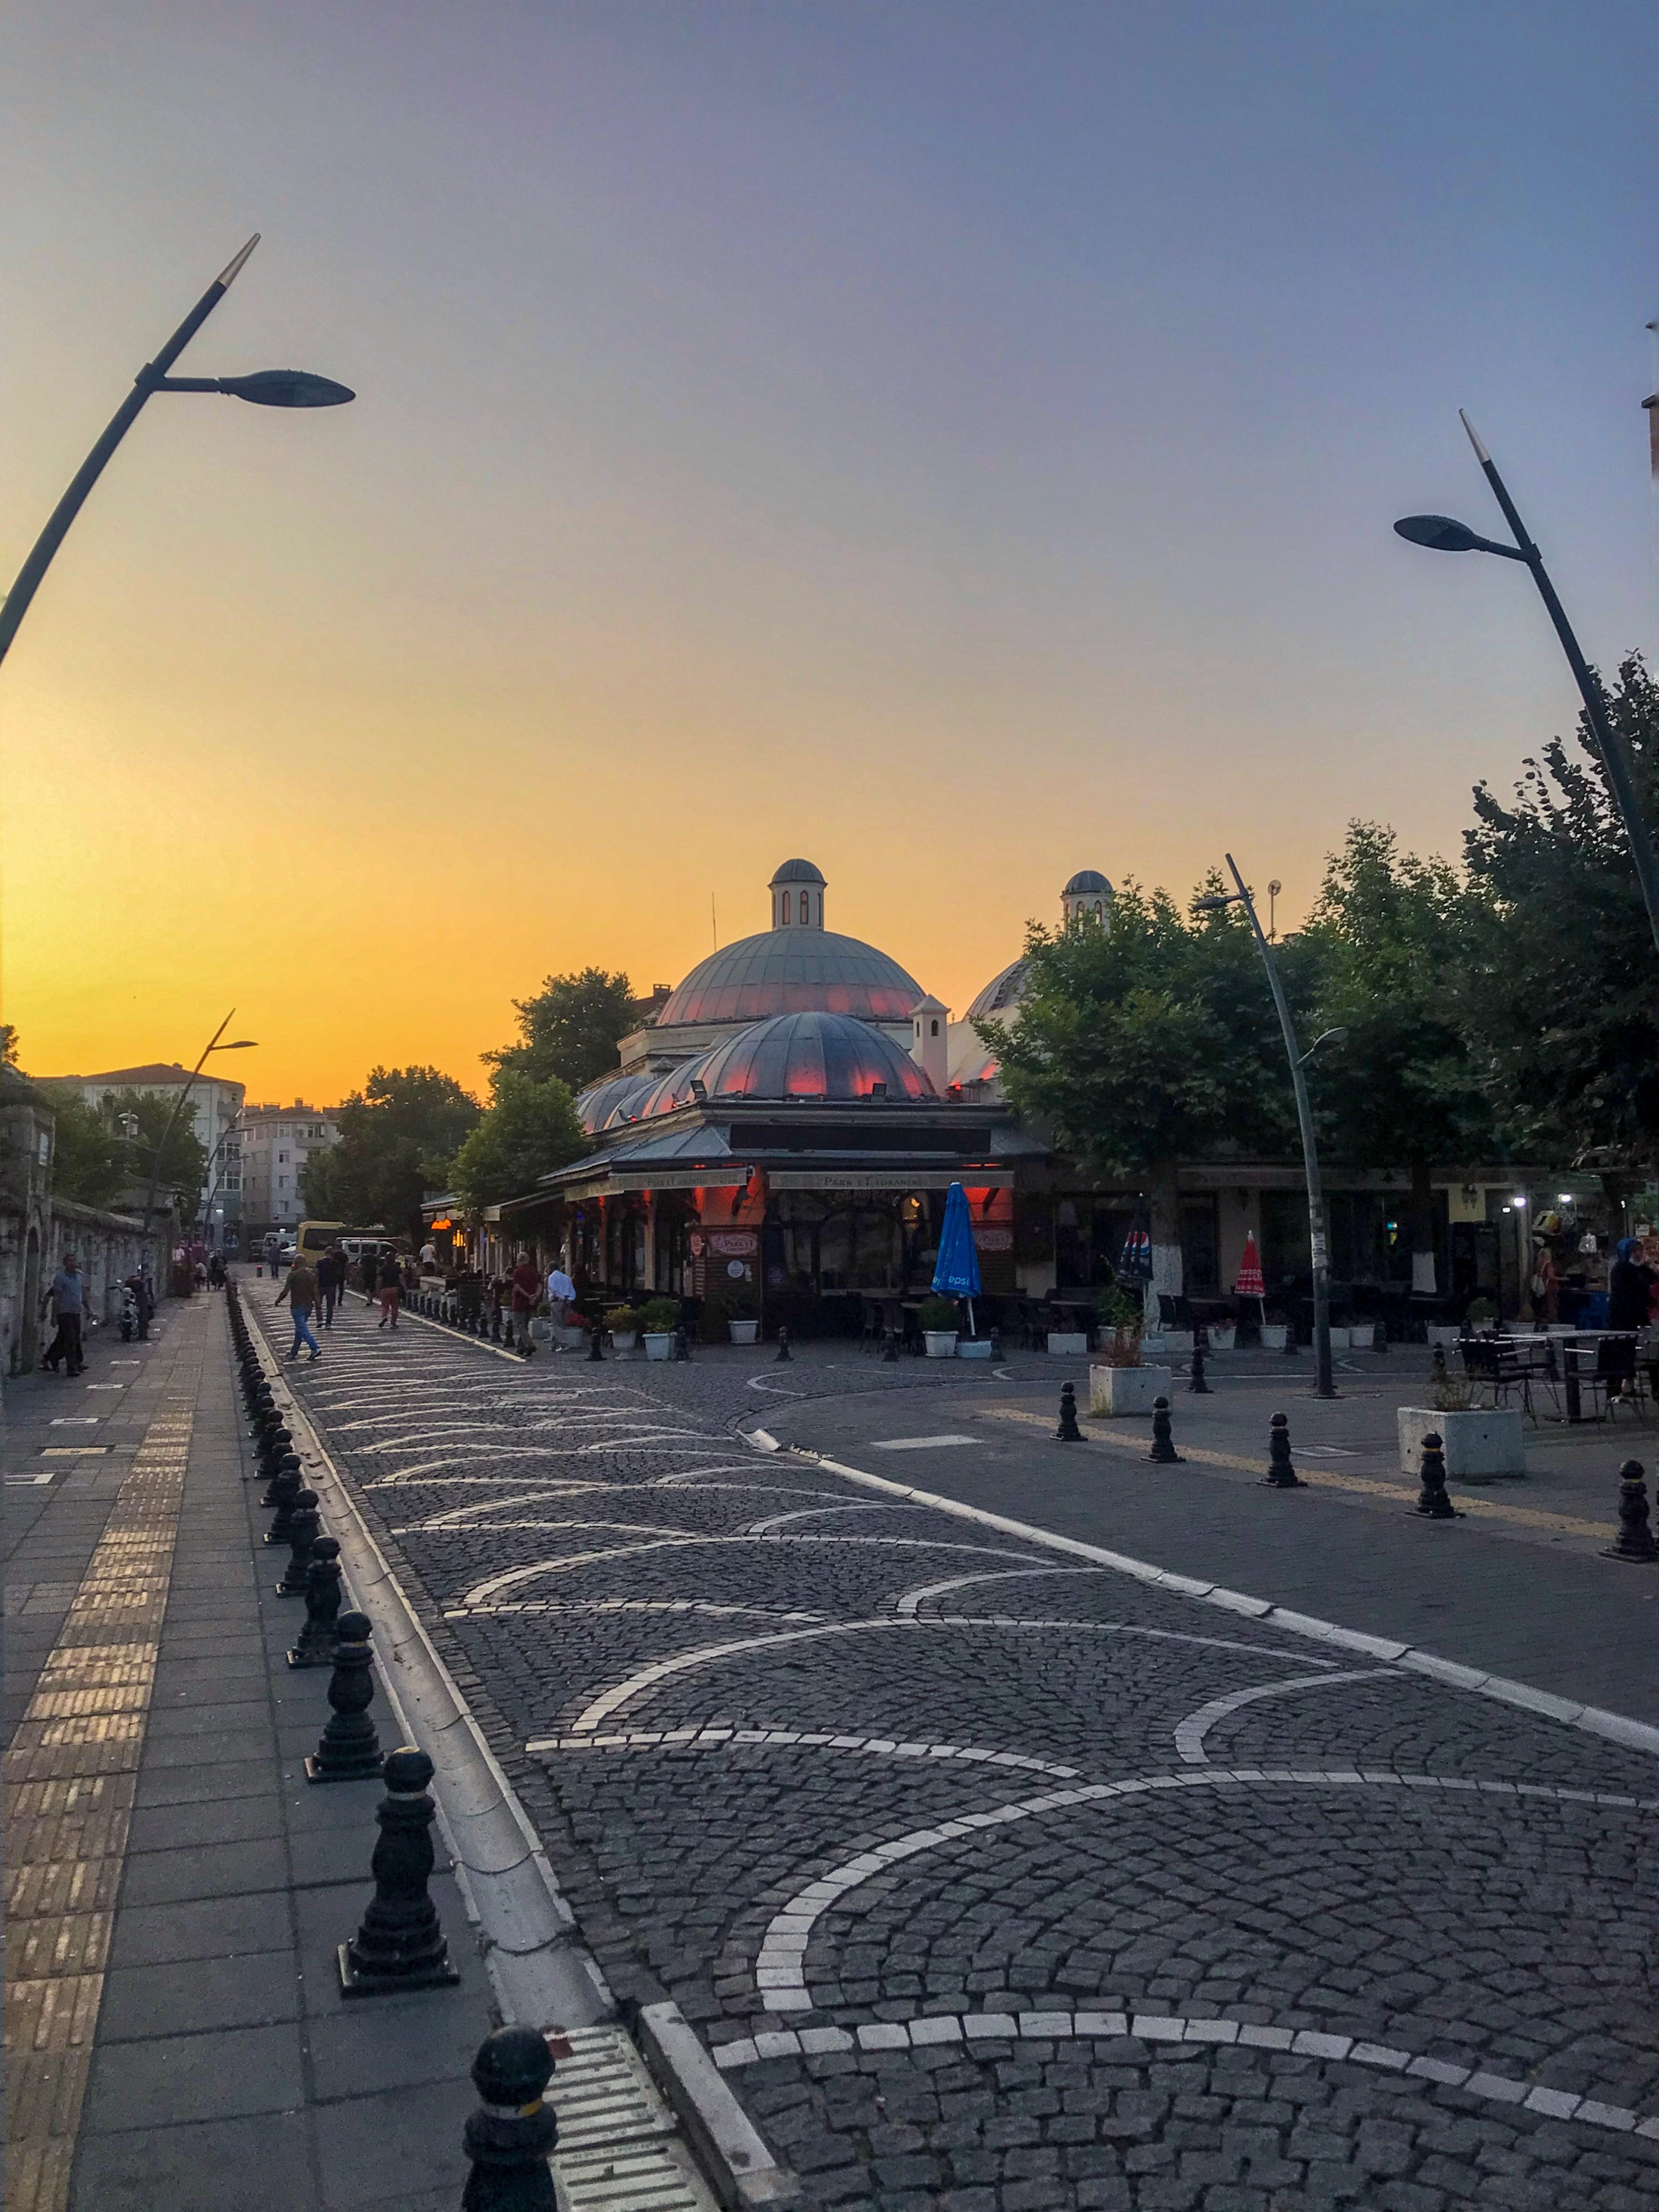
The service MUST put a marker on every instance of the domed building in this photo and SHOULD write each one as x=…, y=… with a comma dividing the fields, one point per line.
x=1085, y=903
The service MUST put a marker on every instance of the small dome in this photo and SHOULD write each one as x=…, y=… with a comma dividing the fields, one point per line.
x=1085, y=881
x=795, y=871
x=1002, y=993
x=664, y=1092
x=811, y=1055
x=792, y=972
x=602, y=1102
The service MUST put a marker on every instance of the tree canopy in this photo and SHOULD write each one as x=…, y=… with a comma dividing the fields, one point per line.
x=569, y=1031
x=398, y=1136
x=96, y=1163
x=530, y=1129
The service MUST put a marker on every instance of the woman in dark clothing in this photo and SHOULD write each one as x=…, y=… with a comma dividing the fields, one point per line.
x=1629, y=1286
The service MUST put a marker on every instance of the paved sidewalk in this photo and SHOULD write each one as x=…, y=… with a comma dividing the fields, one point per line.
x=181, y=1891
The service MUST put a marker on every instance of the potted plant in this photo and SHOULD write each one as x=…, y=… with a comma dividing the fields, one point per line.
x=1482, y=1315
x=658, y=1318
x=624, y=1328
x=574, y=1334
x=1274, y=1332
x=937, y=1319
x=1482, y=1443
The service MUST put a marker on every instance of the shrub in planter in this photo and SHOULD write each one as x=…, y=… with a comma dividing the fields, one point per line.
x=627, y=1321
x=937, y=1315
x=1482, y=1313
x=659, y=1316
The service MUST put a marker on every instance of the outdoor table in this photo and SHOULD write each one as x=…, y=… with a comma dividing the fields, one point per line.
x=1583, y=1343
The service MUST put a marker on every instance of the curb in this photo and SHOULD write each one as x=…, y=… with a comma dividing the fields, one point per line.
x=1593, y=1720
x=720, y=2130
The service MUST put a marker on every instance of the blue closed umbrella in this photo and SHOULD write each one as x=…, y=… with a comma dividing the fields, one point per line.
x=956, y=1272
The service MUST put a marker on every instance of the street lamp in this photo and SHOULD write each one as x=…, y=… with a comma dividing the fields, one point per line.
x=1441, y=534
x=1324, y=1387
x=265, y=387
x=237, y=1044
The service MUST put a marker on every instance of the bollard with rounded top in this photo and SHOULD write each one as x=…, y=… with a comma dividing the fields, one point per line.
x=1200, y=1346
x=349, y=1749
x=510, y=2136
x=314, y=1645
x=681, y=1343
x=286, y=1484
x=1163, y=1453
x=783, y=1343
x=400, y=1944
x=303, y=1524
x=1068, y=1432
x=1281, y=1474
x=1438, y=1365
x=593, y=1337
x=1634, y=1542
x=1432, y=1502
x=889, y=1346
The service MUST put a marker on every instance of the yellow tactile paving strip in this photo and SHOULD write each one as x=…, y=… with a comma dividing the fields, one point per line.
x=70, y=1776
x=1480, y=1508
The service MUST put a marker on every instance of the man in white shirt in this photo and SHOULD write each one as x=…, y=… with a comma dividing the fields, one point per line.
x=561, y=1295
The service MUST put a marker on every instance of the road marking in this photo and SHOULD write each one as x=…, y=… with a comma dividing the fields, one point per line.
x=74, y=1421
x=1190, y=1734
x=75, y=1451
x=924, y=1443
x=724, y=1739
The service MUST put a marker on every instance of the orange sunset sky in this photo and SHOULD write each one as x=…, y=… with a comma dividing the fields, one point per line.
x=956, y=443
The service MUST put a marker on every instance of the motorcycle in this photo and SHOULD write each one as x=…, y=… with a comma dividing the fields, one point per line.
x=129, y=1313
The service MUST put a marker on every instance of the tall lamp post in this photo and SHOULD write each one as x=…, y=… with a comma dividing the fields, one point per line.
x=1324, y=1387
x=1443, y=535
x=237, y=1044
x=266, y=387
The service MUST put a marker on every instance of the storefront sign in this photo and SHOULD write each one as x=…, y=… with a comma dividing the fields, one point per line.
x=889, y=1179
x=992, y=1240
x=709, y=1178
x=734, y=1243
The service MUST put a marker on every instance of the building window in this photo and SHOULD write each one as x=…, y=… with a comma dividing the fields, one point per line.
x=281, y=1158
x=315, y=1131
x=803, y=906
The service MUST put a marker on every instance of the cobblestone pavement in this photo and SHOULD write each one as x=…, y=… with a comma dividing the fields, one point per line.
x=994, y=1882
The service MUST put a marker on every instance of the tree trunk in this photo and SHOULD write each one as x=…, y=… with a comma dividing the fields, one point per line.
x=1420, y=1223
x=1166, y=1238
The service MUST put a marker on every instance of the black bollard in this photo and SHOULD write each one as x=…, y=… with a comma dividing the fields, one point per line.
x=1634, y=1542
x=303, y=1524
x=1281, y=1474
x=681, y=1343
x=1438, y=1365
x=783, y=1343
x=1068, y=1432
x=889, y=1346
x=1432, y=1502
x=1198, y=1385
x=594, y=1334
x=1163, y=1453
x=286, y=1485
x=314, y=1645
x=349, y=1749
x=400, y=1945
x=271, y=1453
x=509, y=2137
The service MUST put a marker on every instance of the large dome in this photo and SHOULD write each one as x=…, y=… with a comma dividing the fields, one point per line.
x=612, y=1101
x=792, y=972
x=811, y=1055
x=1002, y=993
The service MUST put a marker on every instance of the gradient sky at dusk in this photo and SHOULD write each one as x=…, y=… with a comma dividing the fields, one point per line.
x=955, y=442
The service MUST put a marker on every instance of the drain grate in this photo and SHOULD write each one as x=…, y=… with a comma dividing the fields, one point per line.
x=618, y=2150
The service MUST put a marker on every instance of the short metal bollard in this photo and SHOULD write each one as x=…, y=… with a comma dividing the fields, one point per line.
x=681, y=1343
x=889, y=1346
x=783, y=1343
x=349, y=1749
x=593, y=1346
x=1281, y=1474
x=1438, y=1365
x=1163, y=1453
x=1634, y=1542
x=314, y=1645
x=400, y=1944
x=512, y=2133
x=1198, y=1386
x=285, y=1487
x=1068, y=1432
x=303, y=1524
x=1432, y=1502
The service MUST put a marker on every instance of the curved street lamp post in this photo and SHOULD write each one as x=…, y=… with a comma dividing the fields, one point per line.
x=1324, y=1387
x=266, y=387
x=237, y=1044
x=1442, y=534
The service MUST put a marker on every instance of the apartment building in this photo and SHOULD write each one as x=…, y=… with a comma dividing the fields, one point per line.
x=276, y=1142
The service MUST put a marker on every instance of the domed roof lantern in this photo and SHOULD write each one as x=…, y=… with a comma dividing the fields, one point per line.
x=1087, y=898
x=796, y=891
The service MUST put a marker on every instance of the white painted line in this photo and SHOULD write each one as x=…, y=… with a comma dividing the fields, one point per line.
x=923, y=1443
x=1190, y=1734
x=722, y=1739
x=74, y=1421
x=910, y=1603
x=75, y=1451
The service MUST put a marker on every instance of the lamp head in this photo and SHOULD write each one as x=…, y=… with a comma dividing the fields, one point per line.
x=1439, y=533
x=1213, y=901
x=286, y=387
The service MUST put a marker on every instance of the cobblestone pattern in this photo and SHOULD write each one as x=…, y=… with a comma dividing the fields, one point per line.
x=841, y=1828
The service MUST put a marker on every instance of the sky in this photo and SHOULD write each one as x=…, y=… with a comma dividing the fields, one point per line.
x=953, y=442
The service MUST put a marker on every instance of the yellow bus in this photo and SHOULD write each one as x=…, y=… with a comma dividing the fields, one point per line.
x=313, y=1238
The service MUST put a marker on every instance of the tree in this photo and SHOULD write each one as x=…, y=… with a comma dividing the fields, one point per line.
x=102, y=1152
x=1386, y=951
x=8, y=1045
x=1562, y=997
x=90, y=1164
x=530, y=1129
x=570, y=1029
x=397, y=1137
x=1148, y=1043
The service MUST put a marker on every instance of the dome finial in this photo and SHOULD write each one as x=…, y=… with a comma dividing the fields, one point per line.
x=796, y=891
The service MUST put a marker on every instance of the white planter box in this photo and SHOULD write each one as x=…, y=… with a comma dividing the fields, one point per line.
x=1116, y=1390
x=744, y=1332
x=940, y=1343
x=1368, y=1337
x=1169, y=1343
x=1223, y=1335
x=1480, y=1446
x=569, y=1340
x=541, y=1332
x=623, y=1339
x=1273, y=1335
x=658, y=1347
x=1340, y=1339
x=973, y=1347
x=1440, y=1334
x=1067, y=1344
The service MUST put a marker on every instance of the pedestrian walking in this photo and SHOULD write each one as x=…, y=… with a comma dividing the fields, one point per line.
x=1630, y=1287
x=331, y=1281
x=391, y=1289
x=525, y=1290
x=299, y=1292
x=68, y=1299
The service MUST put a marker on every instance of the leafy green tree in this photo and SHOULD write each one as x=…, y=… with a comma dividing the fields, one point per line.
x=530, y=1129
x=1385, y=955
x=397, y=1137
x=90, y=1164
x=177, y=1153
x=1150, y=1043
x=8, y=1045
x=569, y=1031
x=1563, y=991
